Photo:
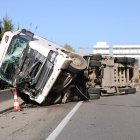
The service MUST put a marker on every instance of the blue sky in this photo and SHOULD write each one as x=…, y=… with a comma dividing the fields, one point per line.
x=80, y=23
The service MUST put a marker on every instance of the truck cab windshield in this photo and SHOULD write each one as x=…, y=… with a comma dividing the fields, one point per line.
x=12, y=57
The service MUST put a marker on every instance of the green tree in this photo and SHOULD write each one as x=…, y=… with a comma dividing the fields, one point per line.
x=68, y=47
x=7, y=25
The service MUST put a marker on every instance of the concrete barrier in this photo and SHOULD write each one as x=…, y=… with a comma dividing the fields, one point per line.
x=6, y=95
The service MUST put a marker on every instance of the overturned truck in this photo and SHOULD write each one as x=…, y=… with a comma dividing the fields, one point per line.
x=45, y=73
x=41, y=70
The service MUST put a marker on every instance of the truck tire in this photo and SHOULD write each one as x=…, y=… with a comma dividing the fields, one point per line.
x=94, y=90
x=96, y=57
x=78, y=63
x=94, y=93
x=94, y=63
x=122, y=90
x=131, y=60
x=94, y=96
x=130, y=90
x=121, y=59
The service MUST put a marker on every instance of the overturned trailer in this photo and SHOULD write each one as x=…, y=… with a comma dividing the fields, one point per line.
x=120, y=75
x=42, y=71
x=111, y=75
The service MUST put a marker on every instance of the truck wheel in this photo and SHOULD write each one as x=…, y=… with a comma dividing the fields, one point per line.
x=94, y=93
x=94, y=63
x=78, y=63
x=130, y=90
x=122, y=90
x=94, y=96
x=131, y=60
x=93, y=90
x=96, y=57
x=121, y=59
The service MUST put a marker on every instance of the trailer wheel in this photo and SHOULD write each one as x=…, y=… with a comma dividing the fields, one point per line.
x=122, y=91
x=130, y=90
x=131, y=60
x=96, y=57
x=121, y=59
x=78, y=63
x=93, y=90
x=94, y=96
x=94, y=63
x=94, y=93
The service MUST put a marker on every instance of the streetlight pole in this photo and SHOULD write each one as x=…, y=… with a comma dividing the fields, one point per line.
x=0, y=27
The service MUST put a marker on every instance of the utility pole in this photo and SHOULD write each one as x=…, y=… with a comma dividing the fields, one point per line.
x=0, y=27
x=30, y=26
x=36, y=28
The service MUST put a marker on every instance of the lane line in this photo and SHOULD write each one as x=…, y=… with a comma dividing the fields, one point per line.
x=64, y=122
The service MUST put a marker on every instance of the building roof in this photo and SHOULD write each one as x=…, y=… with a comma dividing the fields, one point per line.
x=126, y=46
x=101, y=45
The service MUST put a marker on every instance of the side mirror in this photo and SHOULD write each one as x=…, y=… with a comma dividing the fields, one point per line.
x=28, y=33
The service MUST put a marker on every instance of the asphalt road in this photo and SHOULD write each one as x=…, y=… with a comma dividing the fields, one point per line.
x=7, y=99
x=32, y=123
x=110, y=118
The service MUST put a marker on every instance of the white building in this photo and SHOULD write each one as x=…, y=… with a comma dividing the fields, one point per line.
x=126, y=50
x=101, y=48
x=117, y=50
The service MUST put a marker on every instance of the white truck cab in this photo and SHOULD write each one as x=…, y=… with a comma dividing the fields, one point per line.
x=38, y=67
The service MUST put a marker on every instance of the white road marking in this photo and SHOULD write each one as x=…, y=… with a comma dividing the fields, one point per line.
x=64, y=122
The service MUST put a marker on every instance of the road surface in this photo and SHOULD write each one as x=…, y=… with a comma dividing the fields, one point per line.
x=110, y=118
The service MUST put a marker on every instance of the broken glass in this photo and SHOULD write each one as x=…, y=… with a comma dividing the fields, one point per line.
x=12, y=57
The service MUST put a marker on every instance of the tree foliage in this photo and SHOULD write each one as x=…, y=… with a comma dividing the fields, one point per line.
x=68, y=47
x=6, y=25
